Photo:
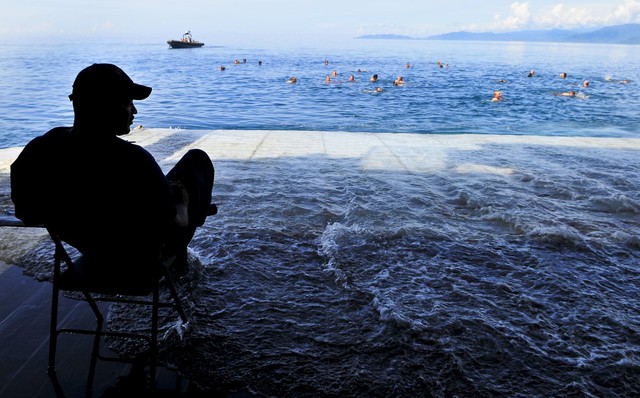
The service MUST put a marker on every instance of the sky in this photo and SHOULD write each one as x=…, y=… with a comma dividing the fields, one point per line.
x=294, y=21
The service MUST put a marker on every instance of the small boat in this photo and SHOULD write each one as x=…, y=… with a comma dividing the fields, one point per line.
x=186, y=42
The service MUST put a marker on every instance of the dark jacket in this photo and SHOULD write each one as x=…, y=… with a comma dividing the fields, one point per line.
x=105, y=196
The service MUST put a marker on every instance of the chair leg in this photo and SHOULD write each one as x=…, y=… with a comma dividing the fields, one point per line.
x=53, y=330
x=95, y=309
x=53, y=325
x=95, y=353
x=154, y=335
x=176, y=299
x=53, y=340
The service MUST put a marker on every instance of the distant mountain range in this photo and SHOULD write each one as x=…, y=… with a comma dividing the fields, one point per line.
x=618, y=34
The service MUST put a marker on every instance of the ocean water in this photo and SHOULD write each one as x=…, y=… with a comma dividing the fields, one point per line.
x=505, y=268
x=191, y=93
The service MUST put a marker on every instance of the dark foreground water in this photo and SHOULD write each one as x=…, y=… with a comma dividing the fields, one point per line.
x=505, y=269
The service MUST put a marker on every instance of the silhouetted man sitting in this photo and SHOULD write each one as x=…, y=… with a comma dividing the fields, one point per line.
x=108, y=197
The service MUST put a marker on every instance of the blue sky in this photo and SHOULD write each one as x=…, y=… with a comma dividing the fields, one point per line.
x=246, y=22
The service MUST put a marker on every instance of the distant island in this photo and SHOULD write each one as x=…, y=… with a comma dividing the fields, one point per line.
x=618, y=34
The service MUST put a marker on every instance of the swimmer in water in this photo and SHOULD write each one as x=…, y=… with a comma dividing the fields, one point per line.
x=352, y=78
x=568, y=94
x=374, y=91
x=610, y=79
x=399, y=81
x=374, y=78
x=531, y=73
x=497, y=96
x=292, y=79
x=563, y=75
x=327, y=79
x=585, y=83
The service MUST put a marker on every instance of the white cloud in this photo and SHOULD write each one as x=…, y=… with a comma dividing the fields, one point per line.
x=562, y=16
x=627, y=12
x=519, y=18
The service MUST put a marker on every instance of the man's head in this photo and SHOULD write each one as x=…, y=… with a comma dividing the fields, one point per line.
x=103, y=98
x=107, y=82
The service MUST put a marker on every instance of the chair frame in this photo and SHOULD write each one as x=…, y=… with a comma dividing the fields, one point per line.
x=61, y=256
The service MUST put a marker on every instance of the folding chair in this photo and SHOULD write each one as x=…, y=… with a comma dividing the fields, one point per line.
x=73, y=280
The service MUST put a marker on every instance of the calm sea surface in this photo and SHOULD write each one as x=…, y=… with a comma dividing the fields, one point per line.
x=191, y=92
x=499, y=270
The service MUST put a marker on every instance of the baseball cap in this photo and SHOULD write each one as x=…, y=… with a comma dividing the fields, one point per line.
x=107, y=81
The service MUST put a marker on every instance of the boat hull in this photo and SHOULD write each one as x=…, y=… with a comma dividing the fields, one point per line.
x=184, y=44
